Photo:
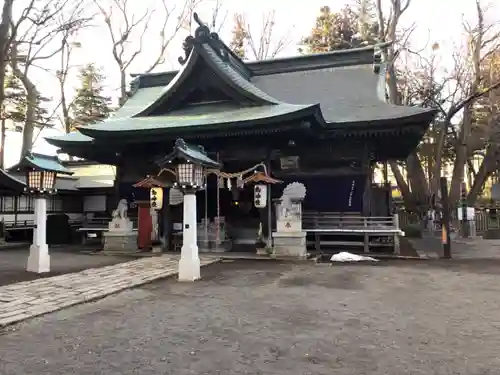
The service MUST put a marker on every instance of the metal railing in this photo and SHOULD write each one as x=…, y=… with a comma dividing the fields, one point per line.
x=482, y=220
x=30, y=224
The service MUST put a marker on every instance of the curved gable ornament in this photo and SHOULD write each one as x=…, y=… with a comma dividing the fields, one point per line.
x=202, y=35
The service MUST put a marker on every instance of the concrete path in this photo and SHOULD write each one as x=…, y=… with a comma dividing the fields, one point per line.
x=25, y=300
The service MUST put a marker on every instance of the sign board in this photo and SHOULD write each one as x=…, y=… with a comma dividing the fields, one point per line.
x=260, y=196
x=289, y=162
x=471, y=213
x=156, y=198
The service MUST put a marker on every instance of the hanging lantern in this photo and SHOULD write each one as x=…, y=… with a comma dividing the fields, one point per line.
x=156, y=198
x=260, y=196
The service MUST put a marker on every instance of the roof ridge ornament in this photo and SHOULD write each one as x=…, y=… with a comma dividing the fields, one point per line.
x=202, y=35
x=180, y=143
x=187, y=46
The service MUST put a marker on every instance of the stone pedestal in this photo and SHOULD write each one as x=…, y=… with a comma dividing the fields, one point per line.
x=289, y=240
x=290, y=244
x=121, y=236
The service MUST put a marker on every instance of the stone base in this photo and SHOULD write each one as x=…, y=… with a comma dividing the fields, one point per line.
x=262, y=251
x=120, y=242
x=39, y=259
x=189, y=269
x=290, y=244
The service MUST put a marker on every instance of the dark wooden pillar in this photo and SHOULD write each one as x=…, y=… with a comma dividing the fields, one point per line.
x=387, y=187
x=165, y=221
x=266, y=213
x=269, y=205
x=117, y=183
x=368, y=172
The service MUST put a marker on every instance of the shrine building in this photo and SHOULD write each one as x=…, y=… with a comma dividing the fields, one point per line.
x=322, y=120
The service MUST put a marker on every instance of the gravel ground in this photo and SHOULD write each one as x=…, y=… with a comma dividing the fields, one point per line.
x=248, y=317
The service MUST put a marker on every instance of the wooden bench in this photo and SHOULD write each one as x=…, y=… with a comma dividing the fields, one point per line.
x=19, y=225
x=330, y=225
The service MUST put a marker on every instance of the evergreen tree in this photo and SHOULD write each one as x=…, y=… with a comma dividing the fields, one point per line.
x=351, y=27
x=89, y=105
x=15, y=104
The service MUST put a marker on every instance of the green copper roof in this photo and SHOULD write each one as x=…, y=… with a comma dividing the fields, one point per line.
x=197, y=117
x=10, y=182
x=75, y=137
x=234, y=78
x=42, y=162
x=190, y=153
x=140, y=100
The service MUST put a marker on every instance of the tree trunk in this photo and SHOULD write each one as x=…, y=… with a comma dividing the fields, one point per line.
x=483, y=173
x=4, y=44
x=31, y=103
x=418, y=182
x=123, y=87
x=403, y=186
x=2, y=143
x=65, y=110
x=460, y=157
x=29, y=125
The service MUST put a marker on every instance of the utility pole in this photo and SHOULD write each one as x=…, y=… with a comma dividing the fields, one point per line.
x=445, y=219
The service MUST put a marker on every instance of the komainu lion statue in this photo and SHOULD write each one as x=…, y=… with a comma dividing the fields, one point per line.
x=121, y=210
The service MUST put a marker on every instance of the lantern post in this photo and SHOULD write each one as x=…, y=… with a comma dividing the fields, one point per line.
x=41, y=173
x=190, y=163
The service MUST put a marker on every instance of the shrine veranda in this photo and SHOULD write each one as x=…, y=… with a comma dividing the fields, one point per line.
x=322, y=120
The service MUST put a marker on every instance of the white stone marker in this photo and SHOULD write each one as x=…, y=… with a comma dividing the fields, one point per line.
x=189, y=264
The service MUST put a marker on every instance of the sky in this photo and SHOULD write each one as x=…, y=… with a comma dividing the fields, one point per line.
x=436, y=21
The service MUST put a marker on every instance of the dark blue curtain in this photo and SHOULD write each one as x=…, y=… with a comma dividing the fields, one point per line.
x=329, y=193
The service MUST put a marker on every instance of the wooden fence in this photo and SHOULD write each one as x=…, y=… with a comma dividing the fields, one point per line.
x=483, y=221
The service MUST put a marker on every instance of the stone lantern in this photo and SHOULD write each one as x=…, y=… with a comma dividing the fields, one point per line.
x=189, y=163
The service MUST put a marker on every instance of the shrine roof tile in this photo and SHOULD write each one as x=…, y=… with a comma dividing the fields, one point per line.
x=43, y=162
x=194, y=117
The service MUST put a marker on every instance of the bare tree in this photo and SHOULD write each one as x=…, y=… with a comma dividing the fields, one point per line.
x=480, y=48
x=36, y=38
x=128, y=30
x=69, y=42
x=263, y=45
x=465, y=81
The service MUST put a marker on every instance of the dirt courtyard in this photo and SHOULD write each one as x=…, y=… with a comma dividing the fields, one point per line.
x=250, y=317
